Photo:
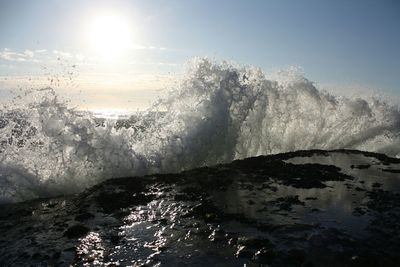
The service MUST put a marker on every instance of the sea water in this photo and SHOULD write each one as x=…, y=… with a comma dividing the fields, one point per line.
x=218, y=112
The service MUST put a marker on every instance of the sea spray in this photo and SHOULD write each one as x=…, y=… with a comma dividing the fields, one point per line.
x=217, y=113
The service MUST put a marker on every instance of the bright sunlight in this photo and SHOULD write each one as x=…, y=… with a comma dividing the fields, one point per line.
x=109, y=36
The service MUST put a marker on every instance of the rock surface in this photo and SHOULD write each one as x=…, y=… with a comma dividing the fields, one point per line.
x=305, y=208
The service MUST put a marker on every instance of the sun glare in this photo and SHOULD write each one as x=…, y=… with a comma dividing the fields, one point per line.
x=109, y=36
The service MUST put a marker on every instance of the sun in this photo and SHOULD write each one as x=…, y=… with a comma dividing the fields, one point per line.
x=109, y=36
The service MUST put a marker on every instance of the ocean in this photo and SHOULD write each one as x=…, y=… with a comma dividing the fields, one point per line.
x=217, y=113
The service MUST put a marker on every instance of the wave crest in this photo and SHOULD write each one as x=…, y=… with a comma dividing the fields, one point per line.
x=219, y=112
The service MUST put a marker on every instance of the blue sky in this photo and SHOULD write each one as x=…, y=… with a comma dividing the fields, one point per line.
x=335, y=42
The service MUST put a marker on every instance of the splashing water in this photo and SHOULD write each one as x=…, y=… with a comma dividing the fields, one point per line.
x=218, y=113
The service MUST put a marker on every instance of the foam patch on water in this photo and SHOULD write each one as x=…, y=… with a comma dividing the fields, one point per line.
x=219, y=112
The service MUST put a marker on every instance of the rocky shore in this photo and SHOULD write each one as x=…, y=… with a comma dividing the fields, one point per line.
x=305, y=208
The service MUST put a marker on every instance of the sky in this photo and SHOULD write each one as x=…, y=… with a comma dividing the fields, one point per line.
x=122, y=53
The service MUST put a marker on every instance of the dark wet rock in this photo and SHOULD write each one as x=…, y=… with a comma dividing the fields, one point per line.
x=368, y=259
x=289, y=209
x=296, y=257
x=115, y=239
x=286, y=203
x=208, y=211
x=310, y=198
x=254, y=242
x=268, y=186
x=376, y=185
x=264, y=256
x=366, y=166
x=111, y=202
x=251, y=202
x=383, y=201
x=391, y=170
x=56, y=255
x=76, y=231
x=296, y=175
x=244, y=252
x=217, y=235
x=316, y=210
x=359, y=211
x=84, y=216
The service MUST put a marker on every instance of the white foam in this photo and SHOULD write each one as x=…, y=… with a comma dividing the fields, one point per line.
x=219, y=112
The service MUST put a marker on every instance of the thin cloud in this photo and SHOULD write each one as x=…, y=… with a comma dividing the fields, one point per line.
x=147, y=47
x=13, y=56
x=62, y=54
x=29, y=53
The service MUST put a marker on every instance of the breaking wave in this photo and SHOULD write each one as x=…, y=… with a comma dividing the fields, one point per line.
x=217, y=113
